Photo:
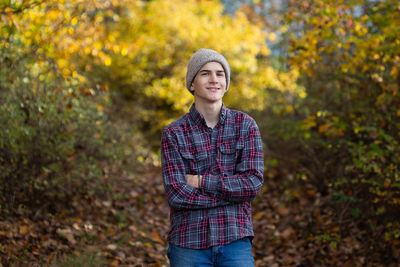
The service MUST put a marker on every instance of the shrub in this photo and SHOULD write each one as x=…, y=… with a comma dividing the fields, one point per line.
x=55, y=135
x=343, y=136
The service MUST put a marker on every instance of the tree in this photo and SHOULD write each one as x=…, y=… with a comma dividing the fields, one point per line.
x=343, y=137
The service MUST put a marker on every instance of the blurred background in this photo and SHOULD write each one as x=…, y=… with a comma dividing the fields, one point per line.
x=87, y=86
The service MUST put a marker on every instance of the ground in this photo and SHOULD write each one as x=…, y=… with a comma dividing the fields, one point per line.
x=129, y=226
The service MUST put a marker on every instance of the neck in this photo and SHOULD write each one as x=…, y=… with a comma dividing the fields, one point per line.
x=210, y=112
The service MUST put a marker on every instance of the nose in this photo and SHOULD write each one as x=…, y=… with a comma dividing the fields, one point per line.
x=213, y=78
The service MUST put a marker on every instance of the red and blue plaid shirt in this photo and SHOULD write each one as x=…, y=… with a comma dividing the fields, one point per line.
x=230, y=160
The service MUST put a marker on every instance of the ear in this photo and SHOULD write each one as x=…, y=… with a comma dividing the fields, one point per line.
x=192, y=88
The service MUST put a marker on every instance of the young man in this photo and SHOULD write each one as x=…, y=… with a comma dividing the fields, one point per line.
x=212, y=164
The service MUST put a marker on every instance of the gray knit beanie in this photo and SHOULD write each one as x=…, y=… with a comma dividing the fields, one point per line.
x=202, y=57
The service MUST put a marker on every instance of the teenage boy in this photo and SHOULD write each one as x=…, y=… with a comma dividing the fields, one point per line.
x=212, y=165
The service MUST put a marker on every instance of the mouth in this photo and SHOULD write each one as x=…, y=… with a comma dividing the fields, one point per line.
x=213, y=88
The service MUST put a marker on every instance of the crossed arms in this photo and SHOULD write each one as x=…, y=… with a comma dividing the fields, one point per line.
x=183, y=190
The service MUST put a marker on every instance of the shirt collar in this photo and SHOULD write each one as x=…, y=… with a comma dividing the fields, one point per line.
x=198, y=119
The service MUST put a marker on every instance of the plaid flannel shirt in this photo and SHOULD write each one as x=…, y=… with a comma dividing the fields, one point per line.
x=219, y=212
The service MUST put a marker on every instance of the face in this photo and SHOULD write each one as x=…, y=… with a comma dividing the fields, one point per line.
x=209, y=85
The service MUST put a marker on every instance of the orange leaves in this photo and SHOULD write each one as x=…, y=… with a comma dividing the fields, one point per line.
x=89, y=91
x=324, y=123
x=113, y=228
x=323, y=128
x=8, y=10
x=24, y=229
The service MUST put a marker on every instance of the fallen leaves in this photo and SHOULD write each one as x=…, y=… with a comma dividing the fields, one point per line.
x=23, y=229
x=129, y=228
x=67, y=234
x=306, y=230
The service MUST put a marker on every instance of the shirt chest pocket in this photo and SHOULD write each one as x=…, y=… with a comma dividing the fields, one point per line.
x=195, y=162
x=230, y=154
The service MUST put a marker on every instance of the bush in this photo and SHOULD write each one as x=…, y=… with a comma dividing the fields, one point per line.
x=55, y=135
x=343, y=136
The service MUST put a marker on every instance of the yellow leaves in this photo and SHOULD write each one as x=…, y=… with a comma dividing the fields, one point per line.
x=74, y=21
x=264, y=51
x=62, y=63
x=98, y=45
x=53, y=14
x=324, y=122
x=359, y=28
x=88, y=50
x=288, y=109
x=124, y=51
x=65, y=72
x=377, y=77
x=375, y=56
x=309, y=122
x=302, y=94
x=394, y=72
x=341, y=31
x=153, y=43
x=197, y=24
x=107, y=60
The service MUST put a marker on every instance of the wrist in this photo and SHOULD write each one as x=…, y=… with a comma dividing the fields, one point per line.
x=198, y=180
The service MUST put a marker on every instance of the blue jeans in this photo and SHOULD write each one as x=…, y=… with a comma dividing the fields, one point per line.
x=235, y=254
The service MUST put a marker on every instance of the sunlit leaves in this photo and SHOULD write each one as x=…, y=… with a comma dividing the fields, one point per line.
x=169, y=39
x=348, y=54
x=141, y=48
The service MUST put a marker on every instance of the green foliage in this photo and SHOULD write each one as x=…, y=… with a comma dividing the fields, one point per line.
x=54, y=133
x=149, y=50
x=86, y=259
x=140, y=50
x=343, y=136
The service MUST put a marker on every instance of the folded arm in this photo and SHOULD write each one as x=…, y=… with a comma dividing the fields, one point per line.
x=247, y=180
x=179, y=193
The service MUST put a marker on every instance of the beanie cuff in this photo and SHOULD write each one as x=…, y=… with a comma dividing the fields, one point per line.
x=202, y=57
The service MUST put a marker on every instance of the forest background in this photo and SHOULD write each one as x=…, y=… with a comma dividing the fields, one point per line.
x=87, y=86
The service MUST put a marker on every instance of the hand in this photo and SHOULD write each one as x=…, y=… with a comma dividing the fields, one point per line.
x=193, y=180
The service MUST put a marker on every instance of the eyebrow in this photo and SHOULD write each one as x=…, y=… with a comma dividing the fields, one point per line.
x=218, y=71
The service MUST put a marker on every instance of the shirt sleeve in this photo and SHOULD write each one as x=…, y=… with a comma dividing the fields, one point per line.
x=246, y=182
x=179, y=194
